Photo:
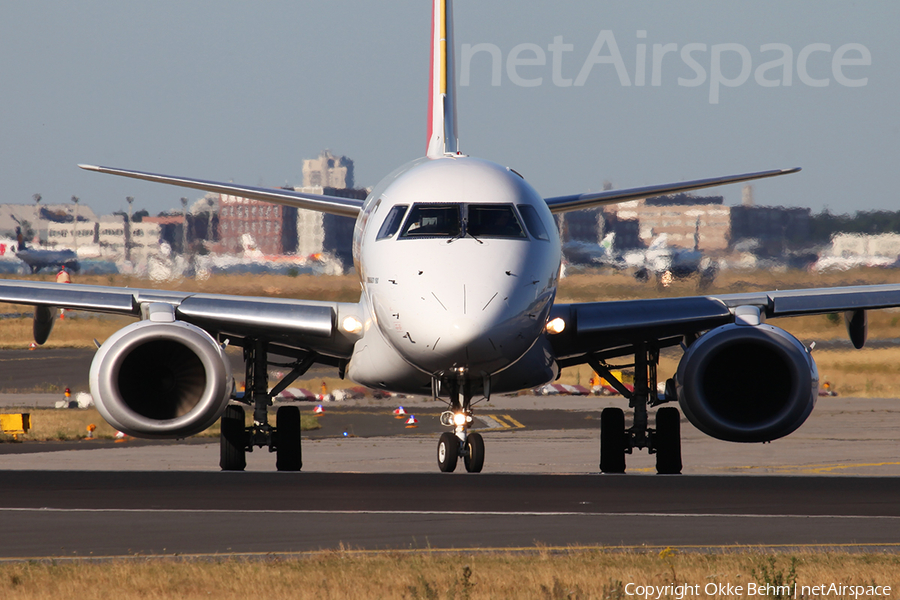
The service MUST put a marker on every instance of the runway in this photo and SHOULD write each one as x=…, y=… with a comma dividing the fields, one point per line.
x=73, y=513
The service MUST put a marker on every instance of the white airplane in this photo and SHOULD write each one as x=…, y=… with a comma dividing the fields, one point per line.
x=458, y=260
x=661, y=260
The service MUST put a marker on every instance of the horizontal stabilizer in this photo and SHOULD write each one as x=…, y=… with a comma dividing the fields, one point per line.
x=591, y=199
x=347, y=207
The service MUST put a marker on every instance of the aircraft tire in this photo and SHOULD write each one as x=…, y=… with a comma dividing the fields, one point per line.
x=448, y=452
x=474, y=458
x=232, y=446
x=667, y=441
x=612, y=440
x=288, y=451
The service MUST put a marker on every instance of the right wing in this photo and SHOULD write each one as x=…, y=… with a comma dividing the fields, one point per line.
x=303, y=324
x=346, y=207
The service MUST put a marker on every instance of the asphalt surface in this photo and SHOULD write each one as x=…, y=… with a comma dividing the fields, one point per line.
x=72, y=513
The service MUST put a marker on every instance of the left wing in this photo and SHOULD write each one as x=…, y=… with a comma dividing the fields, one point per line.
x=578, y=201
x=613, y=328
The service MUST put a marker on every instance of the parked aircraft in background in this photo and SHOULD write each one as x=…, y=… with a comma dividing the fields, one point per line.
x=41, y=259
x=665, y=263
x=458, y=260
x=597, y=255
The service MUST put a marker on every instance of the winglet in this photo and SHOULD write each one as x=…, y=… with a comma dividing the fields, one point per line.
x=442, y=135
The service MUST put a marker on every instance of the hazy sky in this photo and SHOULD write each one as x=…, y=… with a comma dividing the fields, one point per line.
x=245, y=91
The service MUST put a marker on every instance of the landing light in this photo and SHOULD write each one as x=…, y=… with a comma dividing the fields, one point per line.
x=555, y=326
x=351, y=325
x=459, y=418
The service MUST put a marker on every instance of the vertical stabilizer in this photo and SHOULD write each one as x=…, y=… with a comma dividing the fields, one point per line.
x=442, y=136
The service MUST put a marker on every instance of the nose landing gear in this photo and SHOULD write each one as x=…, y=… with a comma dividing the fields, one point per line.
x=460, y=443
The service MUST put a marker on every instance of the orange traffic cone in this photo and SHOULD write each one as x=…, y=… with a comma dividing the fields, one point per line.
x=412, y=422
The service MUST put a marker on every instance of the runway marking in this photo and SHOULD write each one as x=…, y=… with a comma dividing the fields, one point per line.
x=491, y=423
x=497, y=422
x=816, y=468
x=440, y=513
x=515, y=423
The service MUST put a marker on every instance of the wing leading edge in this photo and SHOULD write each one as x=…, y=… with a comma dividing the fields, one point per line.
x=560, y=204
x=346, y=207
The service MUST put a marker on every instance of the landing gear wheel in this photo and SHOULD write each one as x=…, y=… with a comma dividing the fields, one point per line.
x=448, y=452
x=288, y=453
x=612, y=440
x=667, y=441
x=232, y=440
x=474, y=457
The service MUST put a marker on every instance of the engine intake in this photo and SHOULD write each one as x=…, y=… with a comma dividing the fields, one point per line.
x=747, y=383
x=161, y=380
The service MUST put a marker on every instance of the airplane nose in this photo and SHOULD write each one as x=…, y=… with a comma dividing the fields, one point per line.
x=481, y=330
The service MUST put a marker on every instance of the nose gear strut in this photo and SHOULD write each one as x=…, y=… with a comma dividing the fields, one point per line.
x=460, y=443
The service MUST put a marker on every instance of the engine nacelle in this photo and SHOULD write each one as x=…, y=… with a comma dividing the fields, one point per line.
x=161, y=380
x=743, y=383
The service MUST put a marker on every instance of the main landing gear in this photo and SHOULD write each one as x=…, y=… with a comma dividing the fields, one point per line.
x=616, y=441
x=237, y=439
x=460, y=443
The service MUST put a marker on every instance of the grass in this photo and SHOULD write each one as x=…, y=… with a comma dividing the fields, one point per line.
x=539, y=574
x=72, y=424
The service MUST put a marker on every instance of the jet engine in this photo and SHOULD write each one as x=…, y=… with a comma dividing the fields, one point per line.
x=161, y=379
x=744, y=383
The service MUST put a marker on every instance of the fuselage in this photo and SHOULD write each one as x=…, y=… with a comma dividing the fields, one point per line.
x=458, y=260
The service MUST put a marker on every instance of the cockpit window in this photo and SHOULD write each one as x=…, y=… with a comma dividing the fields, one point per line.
x=493, y=220
x=533, y=222
x=432, y=220
x=392, y=222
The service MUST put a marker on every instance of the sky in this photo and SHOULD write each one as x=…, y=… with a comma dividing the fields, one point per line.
x=239, y=91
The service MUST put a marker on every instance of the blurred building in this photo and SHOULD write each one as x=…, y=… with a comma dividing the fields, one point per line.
x=689, y=221
x=328, y=171
x=320, y=233
x=73, y=235
x=112, y=234
x=774, y=229
x=272, y=226
x=850, y=245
